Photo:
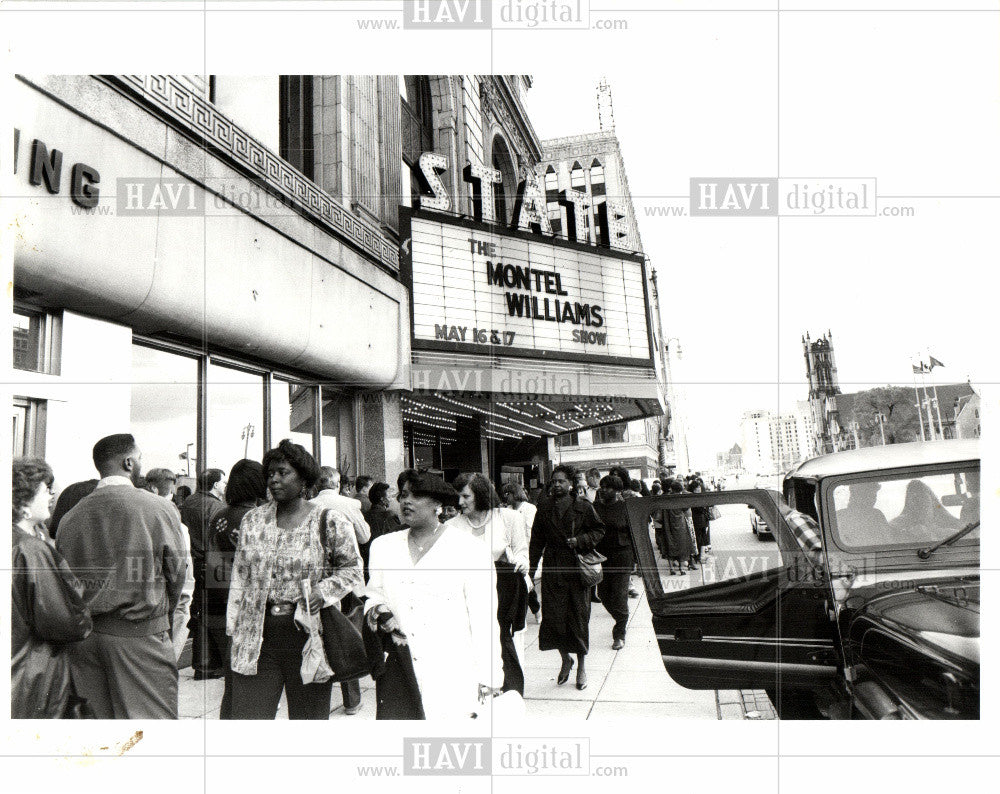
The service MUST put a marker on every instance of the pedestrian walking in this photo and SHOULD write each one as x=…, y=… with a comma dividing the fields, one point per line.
x=678, y=533
x=280, y=544
x=564, y=525
x=198, y=512
x=126, y=545
x=616, y=545
x=515, y=497
x=335, y=493
x=47, y=607
x=429, y=589
x=380, y=518
x=162, y=482
x=363, y=485
x=504, y=533
x=245, y=490
x=68, y=498
x=330, y=495
x=701, y=518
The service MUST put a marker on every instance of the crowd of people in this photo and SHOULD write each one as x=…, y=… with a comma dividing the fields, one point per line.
x=439, y=580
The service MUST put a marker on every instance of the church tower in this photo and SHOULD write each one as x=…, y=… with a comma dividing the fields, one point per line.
x=821, y=366
x=821, y=370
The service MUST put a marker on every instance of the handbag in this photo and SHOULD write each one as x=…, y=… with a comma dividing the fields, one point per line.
x=713, y=513
x=342, y=640
x=589, y=564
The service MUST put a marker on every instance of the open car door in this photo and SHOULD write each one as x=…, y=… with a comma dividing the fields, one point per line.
x=766, y=629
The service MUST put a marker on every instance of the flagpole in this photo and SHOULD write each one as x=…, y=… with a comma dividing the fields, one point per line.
x=930, y=418
x=937, y=405
x=916, y=394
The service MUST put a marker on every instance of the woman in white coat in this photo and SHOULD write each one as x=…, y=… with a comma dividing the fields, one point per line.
x=432, y=588
x=504, y=533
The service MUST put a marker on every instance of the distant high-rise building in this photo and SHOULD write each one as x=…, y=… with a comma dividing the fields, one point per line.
x=775, y=442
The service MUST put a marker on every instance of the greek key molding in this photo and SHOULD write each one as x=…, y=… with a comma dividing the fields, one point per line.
x=169, y=94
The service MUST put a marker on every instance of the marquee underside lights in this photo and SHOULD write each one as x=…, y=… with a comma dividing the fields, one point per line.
x=513, y=419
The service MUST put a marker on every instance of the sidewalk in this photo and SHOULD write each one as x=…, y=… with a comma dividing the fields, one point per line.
x=627, y=683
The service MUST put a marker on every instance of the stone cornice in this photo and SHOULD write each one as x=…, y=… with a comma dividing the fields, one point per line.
x=181, y=103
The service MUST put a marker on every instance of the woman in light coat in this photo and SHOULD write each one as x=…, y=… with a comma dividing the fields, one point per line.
x=431, y=589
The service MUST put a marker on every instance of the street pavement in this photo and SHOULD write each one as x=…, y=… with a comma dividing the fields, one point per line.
x=631, y=682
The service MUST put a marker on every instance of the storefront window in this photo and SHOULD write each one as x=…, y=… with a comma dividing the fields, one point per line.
x=35, y=341
x=164, y=409
x=235, y=416
x=568, y=440
x=29, y=427
x=611, y=434
x=293, y=410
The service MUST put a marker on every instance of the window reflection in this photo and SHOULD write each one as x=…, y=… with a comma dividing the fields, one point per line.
x=164, y=408
x=235, y=416
x=292, y=412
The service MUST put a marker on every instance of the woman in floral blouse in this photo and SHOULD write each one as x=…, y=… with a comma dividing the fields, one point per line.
x=279, y=546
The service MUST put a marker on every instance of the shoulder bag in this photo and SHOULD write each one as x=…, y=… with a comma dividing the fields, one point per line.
x=342, y=640
x=589, y=564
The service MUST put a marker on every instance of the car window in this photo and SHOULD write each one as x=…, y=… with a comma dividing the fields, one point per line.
x=903, y=510
x=734, y=542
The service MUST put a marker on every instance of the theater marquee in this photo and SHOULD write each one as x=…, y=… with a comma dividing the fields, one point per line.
x=478, y=288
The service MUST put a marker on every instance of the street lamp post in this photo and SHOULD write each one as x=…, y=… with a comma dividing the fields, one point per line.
x=880, y=418
x=247, y=434
x=187, y=458
x=677, y=419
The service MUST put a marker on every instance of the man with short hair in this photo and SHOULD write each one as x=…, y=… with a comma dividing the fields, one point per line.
x=126, y=546
x=198, y=512
x=164, y=484
x=362, y=485
x=329, y=496
x=593, y=484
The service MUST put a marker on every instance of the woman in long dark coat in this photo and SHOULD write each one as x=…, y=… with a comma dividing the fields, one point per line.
x=563, y=526
x=701, y=516
x=679, y=531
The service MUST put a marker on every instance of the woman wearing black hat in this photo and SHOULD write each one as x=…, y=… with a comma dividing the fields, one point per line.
x=432, y=589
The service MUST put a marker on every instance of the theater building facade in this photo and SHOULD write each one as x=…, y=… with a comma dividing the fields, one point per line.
x=520, y=333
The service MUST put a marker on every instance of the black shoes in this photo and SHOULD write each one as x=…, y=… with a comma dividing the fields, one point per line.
x=581, y=680
x=564, y=672
x=617, y=645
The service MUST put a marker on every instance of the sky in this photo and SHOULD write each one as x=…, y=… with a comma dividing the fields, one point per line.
x=739, y=293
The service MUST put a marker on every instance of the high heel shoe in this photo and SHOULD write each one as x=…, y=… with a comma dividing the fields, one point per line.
x=581, y=680
x=564, y=673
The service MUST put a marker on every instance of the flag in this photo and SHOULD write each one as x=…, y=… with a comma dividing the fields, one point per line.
x=934, y=363
x=917, y=370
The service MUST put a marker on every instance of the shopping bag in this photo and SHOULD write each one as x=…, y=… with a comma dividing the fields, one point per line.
x=315, y=669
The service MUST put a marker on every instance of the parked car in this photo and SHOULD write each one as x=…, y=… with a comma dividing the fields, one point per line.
x=873, y=611
x=759, y=527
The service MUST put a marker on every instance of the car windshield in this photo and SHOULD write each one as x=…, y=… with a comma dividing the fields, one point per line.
x=906, y=509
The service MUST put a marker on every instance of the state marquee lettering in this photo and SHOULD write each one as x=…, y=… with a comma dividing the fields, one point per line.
x=524, y=277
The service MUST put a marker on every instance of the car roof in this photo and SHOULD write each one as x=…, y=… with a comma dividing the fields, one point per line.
x=891, y=456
